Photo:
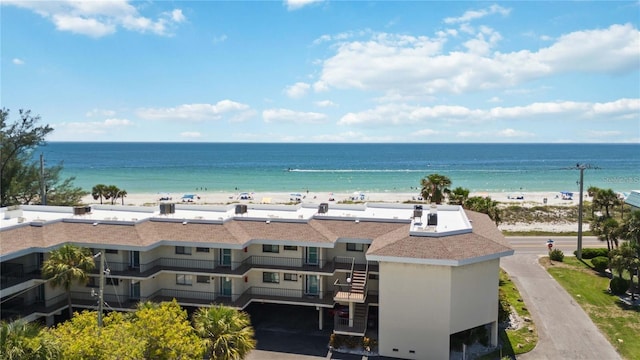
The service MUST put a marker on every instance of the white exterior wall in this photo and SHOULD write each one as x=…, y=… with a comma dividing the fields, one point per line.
x=414, y=306
x=474, y=295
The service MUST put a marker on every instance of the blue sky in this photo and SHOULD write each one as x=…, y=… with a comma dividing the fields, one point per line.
x=325, y=71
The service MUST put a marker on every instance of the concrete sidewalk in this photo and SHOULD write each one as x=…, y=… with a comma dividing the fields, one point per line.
x=565, y=331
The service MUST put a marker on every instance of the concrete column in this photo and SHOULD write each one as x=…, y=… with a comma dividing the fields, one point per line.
x=50, y=320
x=494, y=333
x=321, y=287
x=352, y=310
x=320, y=318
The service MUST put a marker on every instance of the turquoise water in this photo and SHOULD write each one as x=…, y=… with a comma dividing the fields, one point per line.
x=185, y=167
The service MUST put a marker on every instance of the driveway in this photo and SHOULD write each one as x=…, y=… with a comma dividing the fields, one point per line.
x=565, y=331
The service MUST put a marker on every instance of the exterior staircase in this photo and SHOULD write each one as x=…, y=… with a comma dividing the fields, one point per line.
x=358, y=281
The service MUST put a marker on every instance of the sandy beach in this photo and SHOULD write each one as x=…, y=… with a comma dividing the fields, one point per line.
x=527, y=199
x=208, y=197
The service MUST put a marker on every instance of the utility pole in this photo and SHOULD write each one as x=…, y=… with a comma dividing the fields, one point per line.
x=43, y=184
x=580, y=167
x=579, y=250
x=101, y=291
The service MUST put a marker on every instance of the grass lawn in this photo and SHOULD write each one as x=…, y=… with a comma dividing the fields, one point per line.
x=514, y=341
x=618, y=322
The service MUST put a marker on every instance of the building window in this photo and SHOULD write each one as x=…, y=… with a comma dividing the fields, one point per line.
x=271, y=248
x=111, y=251
x=291, y=247
x=93, y=282
x=203, y=279
x=290, y=277
x=112, y=281
x=355, y=247
x=183, y=250
x=184, y=279
x=271, y=277
x=202, y=249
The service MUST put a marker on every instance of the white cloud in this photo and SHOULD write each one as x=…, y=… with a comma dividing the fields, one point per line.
x=477, y=14
x=396, y=114
x=17, y=61
x=191, y=134
x=417, y=65
x=290, y=116
x=199, y=112
x=325, y=103
x=100, y=112
x=297, y=90
x=219, y=38
x=298, y=4
x=101, y=18
x=95, y=127
x=600, y=134
x=511, y=133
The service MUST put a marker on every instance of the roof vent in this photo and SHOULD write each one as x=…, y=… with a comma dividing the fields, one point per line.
x=241, y=209
x=323, y=208
x=167, y=208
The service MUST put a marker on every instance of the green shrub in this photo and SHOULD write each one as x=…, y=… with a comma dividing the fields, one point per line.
x=600, y=263
x=619, y=285
x=556, y=255
x=590, y=253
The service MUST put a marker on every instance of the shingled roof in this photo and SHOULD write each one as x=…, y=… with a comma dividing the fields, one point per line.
x=390, y=240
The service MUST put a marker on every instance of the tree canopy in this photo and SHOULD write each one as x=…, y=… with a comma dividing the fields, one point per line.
x=21, y=179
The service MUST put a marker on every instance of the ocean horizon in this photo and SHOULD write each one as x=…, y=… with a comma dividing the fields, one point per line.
x=155, y=167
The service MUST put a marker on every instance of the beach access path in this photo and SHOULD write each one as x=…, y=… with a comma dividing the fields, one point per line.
x=565, y=331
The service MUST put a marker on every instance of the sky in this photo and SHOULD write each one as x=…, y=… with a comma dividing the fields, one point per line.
x=325, y=71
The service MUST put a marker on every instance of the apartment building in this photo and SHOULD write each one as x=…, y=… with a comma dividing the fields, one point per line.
x=428, y=273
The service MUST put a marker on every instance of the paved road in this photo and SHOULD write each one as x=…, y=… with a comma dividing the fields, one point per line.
x=565, y=330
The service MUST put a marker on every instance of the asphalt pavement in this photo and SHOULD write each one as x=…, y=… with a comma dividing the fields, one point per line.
x=565, y=331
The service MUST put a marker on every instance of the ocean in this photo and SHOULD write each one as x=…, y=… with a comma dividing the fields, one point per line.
x=269, y=167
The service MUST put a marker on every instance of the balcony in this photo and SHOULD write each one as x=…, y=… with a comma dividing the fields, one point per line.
x=216, y=267
x=204, y=298
x=14, y=274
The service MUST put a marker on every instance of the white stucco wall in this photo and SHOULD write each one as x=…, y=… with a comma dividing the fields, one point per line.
x=414, y=311
x=474, y=295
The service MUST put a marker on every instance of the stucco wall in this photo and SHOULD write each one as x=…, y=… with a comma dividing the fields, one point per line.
x=414, y=308
x=474, y=295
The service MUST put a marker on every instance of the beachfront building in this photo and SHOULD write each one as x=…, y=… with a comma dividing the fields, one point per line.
x=633, y=200
x=413, y=276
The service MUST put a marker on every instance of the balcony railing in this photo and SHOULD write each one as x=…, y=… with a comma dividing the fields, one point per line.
x=214, y=266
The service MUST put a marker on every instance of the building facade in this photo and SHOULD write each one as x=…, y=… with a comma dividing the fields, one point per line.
x=427, y=273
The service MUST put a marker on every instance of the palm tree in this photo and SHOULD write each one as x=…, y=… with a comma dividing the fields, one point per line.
x=121, y=194
x=67, y=265
x=227, y=332
x=22, y=340
x=606, y=199
x=112, y=193
x=434, y=187
x=458, y=196
x=99, y=192
x=625, y=258
x=606, y=229
x=484, y=205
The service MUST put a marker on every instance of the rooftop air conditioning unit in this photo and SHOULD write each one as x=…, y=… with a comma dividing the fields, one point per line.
x=323, y=208
x=432, y=219
x=417, y=211
x=241, y=209
x=167, y=208
x=79, y=210
x=87, y=209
